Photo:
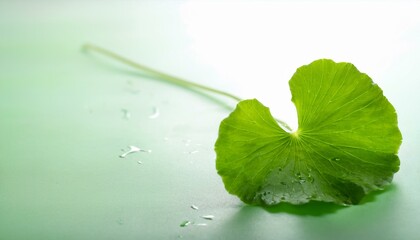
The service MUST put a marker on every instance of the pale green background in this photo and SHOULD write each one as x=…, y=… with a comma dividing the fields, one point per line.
x=62, y=126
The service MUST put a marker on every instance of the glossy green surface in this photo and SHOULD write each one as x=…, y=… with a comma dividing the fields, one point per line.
x=62, y=124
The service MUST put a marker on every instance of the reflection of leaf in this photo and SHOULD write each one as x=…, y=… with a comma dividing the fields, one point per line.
x=345, y=145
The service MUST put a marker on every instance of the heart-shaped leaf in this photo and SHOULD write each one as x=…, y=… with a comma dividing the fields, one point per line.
x=345, y=145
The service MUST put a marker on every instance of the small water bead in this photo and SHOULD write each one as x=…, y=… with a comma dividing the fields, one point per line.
x=132, y=149
x=194, y=207
x=302, y=180
x=200, y=224
x=185, y=223
x=186, y=142
x=155, y=113
x=299, y=178
x=336, y=159
x=132, y=88
x=120, y=221
x=208, y=217
x=310, y=179
x=126, y=114
x=347, y=202
x=313, y=196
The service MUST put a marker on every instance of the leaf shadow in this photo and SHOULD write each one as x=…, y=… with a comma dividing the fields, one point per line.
x=312, y=208
x=137, y=73
x=316, y=208
x=373, y=196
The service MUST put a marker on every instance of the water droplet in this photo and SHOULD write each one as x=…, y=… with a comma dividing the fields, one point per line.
x=186, y=142
x=336, y=159
x=300, y=179
x=280, y=169
x=310, y=178
x=132, y=149
x=126, y=114
x=208, y=217
x=194, y=207
x=139, y=162
x=193, y=152
x=120, y=221
x=200, y=224
x=155, y=114
x=185, y=223
x=347, y=202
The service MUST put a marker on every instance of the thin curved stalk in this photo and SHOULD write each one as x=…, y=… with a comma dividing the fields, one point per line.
x=165, y=76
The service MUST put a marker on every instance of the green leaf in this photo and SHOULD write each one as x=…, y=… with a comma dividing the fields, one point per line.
x=345, y=146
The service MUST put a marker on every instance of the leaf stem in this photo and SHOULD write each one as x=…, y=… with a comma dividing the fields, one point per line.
x=164, y=76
